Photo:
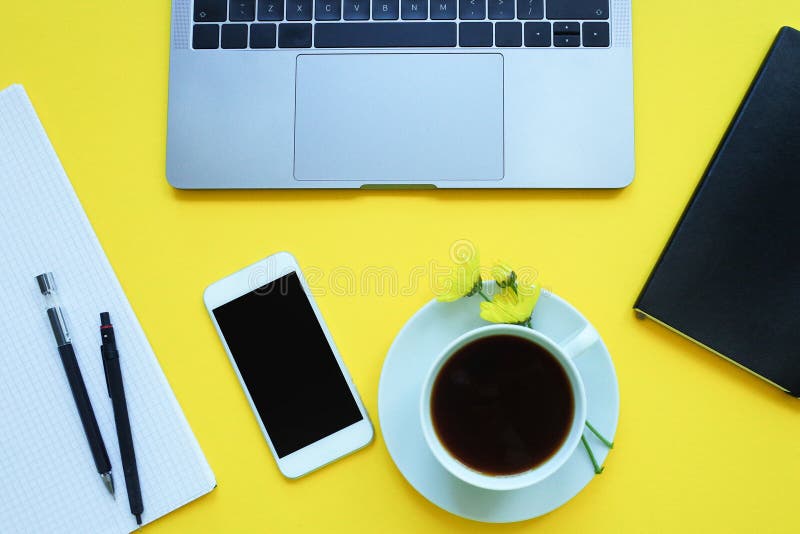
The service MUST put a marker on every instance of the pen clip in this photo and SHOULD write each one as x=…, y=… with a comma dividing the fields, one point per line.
x=105, y=371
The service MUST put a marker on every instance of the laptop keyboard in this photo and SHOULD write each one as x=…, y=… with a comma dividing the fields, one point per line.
x=269, y=24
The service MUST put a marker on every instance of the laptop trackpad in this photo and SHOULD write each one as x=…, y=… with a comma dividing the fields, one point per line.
x=399, y=117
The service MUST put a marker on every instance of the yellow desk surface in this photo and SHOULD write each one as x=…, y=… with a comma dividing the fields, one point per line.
x=701, y=446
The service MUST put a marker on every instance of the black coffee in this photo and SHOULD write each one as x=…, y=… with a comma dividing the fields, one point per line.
x=502, y=405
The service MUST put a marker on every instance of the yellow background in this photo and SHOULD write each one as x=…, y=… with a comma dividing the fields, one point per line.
x=702, y=445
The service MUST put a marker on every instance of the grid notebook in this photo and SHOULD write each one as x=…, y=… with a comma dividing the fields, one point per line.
x=48, y=481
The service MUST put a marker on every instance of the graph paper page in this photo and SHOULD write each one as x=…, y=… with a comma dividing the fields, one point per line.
x=48, y=480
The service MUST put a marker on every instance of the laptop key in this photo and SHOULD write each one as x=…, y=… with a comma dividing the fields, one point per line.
x=472, y=9
x=414, y=9
x=595, y=34
x=566, y=28
x=298, y=9
x=537, y=34
x=475, y=34
x=294, y=35
x=507, y=34
x=205, y=36
x=270, y=9
x=384, y=34
x=530, y=9
x=356, y=9
x=234, y=36
x=328, y=10
x=443, y=9
x=242, y=10
x=210, y=10
x=385, y=9
x=262, y=35
x=501, y=9
x=567, y=40
x=577, y=9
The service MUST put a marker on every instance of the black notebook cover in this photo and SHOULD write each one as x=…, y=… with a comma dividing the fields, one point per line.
x=729, y=276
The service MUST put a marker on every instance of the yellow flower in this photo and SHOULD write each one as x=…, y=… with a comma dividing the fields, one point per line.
x=503, y=274
x=509, y=306
x=464, y=278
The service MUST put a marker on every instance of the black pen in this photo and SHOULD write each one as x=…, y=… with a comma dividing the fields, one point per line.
x=48, y=288
x=117, y=393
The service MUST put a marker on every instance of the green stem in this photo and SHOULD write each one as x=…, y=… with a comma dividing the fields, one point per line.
x=481, y=293
x=597, y=468
x=609, y=444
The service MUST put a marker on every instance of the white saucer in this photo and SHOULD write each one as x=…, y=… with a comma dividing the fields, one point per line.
x=410, y=356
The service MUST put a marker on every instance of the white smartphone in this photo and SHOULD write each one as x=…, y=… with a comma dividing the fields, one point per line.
x=299, y=390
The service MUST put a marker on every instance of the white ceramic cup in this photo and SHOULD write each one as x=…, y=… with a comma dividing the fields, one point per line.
x=564, y=354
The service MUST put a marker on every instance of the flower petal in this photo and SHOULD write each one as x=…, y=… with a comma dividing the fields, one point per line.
x=463, y=277
x=503, y=274
x=509, y=306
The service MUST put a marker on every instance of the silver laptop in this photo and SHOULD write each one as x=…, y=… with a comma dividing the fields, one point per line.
x=400, y=93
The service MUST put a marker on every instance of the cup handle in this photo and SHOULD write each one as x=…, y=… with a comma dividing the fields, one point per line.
x=580, y=342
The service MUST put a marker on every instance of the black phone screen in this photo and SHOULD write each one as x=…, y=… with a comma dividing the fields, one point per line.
x=287, y=365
